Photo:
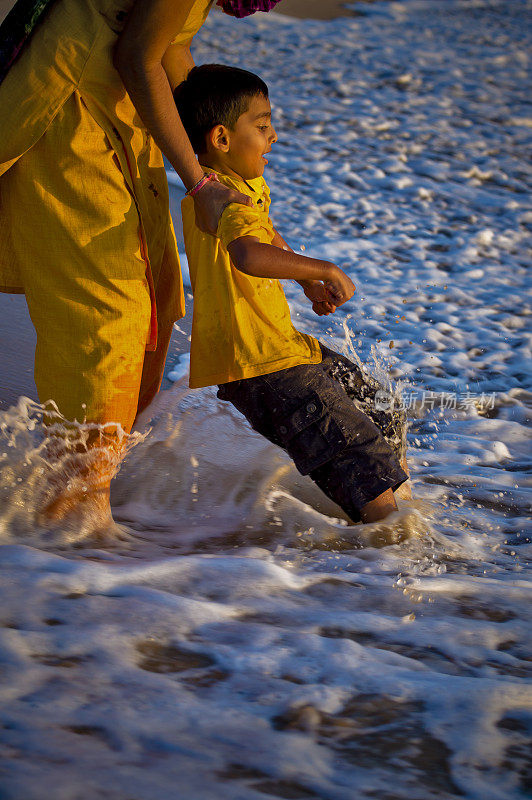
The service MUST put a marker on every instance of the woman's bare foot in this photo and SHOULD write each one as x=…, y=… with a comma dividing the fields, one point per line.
x=75, y=501
x=75, y=516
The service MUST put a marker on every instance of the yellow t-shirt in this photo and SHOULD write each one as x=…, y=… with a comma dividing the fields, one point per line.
x=241, y=325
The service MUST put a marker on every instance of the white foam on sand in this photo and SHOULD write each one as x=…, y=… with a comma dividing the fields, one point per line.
x=246, y=641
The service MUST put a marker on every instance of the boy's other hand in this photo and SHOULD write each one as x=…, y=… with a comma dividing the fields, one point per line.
x=317, y=293
x=210, y=202
x=315, y=290
x=340, y=287
x=322, y=309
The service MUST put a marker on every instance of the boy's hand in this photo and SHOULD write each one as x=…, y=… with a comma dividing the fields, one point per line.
x=317, y=293
x=315, y=290
x=340, y=288
x=323, y=309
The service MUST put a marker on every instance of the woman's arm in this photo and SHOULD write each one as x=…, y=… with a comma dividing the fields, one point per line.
x=177, y=63
x=139, y=58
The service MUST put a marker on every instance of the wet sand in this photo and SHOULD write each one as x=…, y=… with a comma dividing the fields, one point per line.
x=314, y=9
x=5, y=8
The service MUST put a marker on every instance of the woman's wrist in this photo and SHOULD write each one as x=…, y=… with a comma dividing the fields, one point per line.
x=192, y=175
x=199, y=185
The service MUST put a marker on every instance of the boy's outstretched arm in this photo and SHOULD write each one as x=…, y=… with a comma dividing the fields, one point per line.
x=251, y=256
x=314, y=290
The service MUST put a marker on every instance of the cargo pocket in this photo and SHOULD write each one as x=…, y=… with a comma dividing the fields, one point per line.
x=310, y=435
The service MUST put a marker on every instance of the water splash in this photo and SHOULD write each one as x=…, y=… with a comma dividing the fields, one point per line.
x=44, y=456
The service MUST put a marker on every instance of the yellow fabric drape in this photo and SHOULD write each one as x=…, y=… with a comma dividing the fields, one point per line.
x=85, y=228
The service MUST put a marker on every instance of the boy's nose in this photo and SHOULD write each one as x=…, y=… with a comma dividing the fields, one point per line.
x=273, y=136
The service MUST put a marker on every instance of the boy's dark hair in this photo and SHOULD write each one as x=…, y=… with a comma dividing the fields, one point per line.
x=214, y=94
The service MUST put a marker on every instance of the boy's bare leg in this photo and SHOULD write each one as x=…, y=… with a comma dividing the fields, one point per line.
x=380, y=508
x=404, y=492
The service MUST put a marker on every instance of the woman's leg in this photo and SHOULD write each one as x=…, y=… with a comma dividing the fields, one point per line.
x=74, y=230
x=167, y=290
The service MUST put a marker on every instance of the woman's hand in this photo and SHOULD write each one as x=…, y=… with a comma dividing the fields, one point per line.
x=210, y=202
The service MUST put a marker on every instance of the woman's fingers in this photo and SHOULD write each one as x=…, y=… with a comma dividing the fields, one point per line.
x=238, y=197
x=210, y=202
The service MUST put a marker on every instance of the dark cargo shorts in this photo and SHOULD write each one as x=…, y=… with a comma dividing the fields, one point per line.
x=337, y=423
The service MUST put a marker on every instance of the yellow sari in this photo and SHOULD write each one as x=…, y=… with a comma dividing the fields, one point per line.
x=85, y=228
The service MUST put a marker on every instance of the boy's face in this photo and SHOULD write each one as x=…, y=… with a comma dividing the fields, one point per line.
x=252, y=137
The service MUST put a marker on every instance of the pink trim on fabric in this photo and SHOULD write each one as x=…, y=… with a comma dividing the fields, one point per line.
x=243, y=8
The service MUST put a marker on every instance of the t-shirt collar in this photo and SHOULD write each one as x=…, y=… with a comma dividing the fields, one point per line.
x=253, y=184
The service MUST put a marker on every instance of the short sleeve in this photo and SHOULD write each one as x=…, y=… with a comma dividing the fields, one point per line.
x=238, y=220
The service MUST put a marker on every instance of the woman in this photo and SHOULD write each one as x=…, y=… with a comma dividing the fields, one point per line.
x=85, y=229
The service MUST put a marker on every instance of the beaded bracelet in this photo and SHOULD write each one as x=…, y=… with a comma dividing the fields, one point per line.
x=201, y=183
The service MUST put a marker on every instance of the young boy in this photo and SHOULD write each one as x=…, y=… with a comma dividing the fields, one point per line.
x=302, y=396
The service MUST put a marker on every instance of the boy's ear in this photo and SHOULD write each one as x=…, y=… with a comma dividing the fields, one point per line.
x=219, y=138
